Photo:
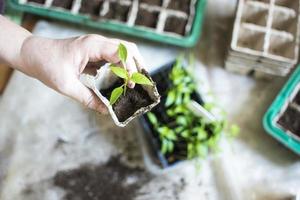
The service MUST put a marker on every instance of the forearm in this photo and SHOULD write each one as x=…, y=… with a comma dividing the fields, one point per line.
x=12, y=38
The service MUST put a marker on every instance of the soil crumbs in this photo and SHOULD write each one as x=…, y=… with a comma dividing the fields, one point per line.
x=112, y=181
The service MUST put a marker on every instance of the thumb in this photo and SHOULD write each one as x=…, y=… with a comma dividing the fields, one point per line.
x=84, y=95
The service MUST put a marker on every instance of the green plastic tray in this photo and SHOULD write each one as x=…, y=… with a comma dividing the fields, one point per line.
x=269, y=118
x=185, y=41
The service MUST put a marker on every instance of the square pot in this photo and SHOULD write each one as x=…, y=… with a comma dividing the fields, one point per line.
x=161, y=77
x=136, y=101
x=117, y=12
x=146, y=18
x=152, y=2
x=91, y=7
x=37, y=1
x=176, y=25
x=182, y=5
x=282, y=120
x=66, y=4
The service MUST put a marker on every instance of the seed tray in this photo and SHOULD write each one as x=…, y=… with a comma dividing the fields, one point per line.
x=267, y=34
x=282, y=120
x=176, y=22
x=161, y=77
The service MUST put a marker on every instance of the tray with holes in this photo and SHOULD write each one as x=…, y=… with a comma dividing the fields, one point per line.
x=282, y=120
x=265, y=37
x=176, y=22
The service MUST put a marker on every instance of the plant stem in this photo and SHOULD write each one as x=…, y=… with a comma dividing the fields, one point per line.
x=125, y=87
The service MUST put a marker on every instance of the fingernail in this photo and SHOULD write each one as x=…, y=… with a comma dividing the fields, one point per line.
x=131, y=84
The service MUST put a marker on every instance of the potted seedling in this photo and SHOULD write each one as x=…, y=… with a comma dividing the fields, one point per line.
x=111, y=86
x=175, y=129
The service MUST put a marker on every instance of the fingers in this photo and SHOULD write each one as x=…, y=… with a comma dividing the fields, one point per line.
x=131, y=68
x=134, y=61
x=138, y=58
x=99, y=48
x=82, y=94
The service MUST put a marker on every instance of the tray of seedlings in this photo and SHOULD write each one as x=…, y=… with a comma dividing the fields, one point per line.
x=181, y=126
x=176, y=22
x=265, y=37
x=282, y=120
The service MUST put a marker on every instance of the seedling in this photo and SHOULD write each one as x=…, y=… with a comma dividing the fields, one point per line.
x=121, y=72
x=197, y=133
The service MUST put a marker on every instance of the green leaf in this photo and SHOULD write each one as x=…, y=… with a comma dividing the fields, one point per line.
x=185, y=134
x=140, y=79
x=202, y=150
x=179, y=129
x=201, y=134
x=187, y=98
x=122, y=52
x=170, y=98
x=116, y=93
x=178, y=99
x=152, y=118
x=164, y=146
x=171, y=135
x=182, y=120
x=234, y=130
x=190, y=150
x=119, y=71
x=170, y=146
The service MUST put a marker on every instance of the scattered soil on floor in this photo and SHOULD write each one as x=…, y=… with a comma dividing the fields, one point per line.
x=129, y=103
x=112, y=181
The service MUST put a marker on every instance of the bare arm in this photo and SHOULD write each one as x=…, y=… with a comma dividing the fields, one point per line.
x=12, y=38
x=58, y=63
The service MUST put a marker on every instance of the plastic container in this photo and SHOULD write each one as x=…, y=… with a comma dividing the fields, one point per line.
x=265, y=37
x=189, y=40
x=273, y=121
x=161, y=77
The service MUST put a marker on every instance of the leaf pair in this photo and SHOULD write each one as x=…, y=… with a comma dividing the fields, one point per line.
x=136, y=77
x=121, y=72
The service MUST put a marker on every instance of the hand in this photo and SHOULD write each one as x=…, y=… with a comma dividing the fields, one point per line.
x=59, y=63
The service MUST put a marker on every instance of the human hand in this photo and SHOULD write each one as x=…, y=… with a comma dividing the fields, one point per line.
x=59, y=63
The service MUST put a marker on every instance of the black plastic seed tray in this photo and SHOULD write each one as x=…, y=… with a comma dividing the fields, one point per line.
x=161, y=77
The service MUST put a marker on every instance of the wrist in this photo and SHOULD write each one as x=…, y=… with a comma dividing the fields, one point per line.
x=24, y=47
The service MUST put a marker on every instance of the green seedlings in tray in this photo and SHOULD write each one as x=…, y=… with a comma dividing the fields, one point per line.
x=197, y=134
x=121, y=72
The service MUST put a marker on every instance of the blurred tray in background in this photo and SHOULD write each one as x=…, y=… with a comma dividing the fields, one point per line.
x=177, y=22
x=282, y=120
x=265, y=37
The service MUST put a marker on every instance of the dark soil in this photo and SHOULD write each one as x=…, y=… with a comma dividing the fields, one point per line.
x=117, y=12
x=91, y=7
x=182, y=5
x=67, y=4
x=146, y=18
x=175, y=25
x=152, y=2
x=297, y=98
x=112, y=181
x=129, y=103
x=37, y=1
x=290, y=120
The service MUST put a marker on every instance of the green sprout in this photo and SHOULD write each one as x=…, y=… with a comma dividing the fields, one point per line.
x=199, y=135
x=121, y=72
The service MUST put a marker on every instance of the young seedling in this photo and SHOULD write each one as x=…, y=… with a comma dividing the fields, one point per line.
x=200, y=133
x=121, y=72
